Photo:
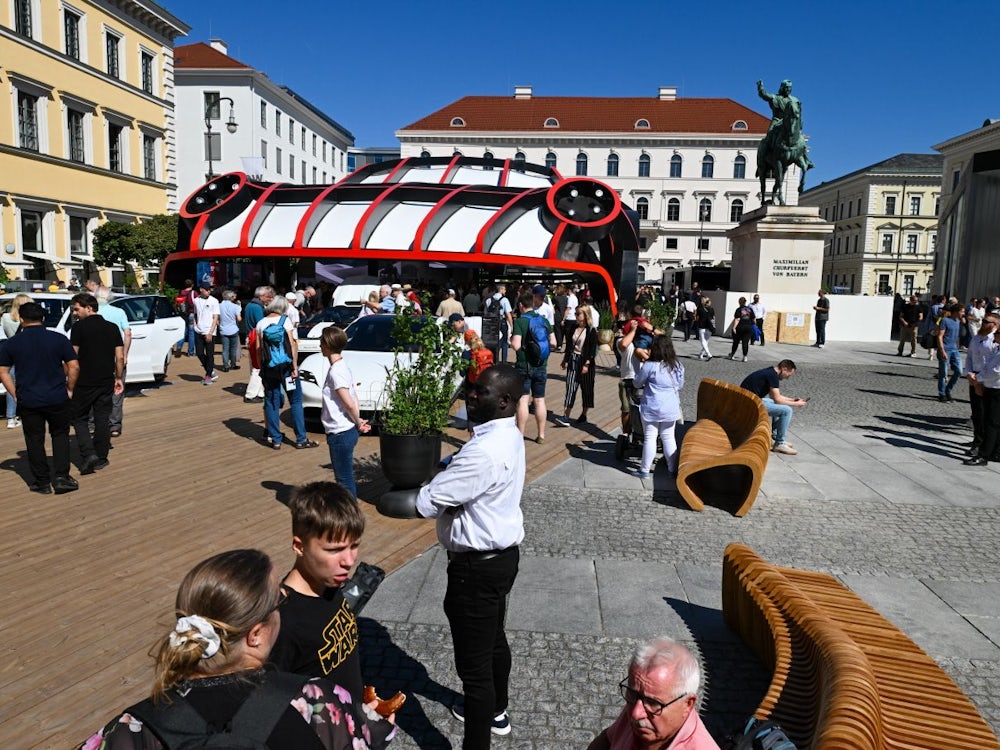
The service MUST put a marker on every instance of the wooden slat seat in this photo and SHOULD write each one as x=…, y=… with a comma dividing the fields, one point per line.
x=843, y=675
x=724, y=453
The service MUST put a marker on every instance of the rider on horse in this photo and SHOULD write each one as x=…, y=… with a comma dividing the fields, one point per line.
x=784, y=143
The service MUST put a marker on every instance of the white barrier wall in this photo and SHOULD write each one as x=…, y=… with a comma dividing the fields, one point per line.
x=852, y=317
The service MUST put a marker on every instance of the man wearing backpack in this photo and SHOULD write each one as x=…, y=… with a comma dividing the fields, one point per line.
x=532, y=341
x=497, y=305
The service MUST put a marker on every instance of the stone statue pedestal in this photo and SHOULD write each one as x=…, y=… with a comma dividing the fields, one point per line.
x=779, y=250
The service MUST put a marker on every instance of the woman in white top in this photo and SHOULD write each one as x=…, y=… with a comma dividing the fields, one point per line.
x=341, y=419
x=661, y=378
x=11, y=322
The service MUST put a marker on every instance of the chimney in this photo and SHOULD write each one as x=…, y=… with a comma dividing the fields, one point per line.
x=668, y=93
x=522, y=92
x=219, y=46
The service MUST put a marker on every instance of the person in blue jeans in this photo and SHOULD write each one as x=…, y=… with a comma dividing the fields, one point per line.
x=341, y=418
x=281, y=379
x=230, y=318
x=948, y=332
x=766, y=384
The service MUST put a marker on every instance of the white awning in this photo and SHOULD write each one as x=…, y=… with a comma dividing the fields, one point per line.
x=39, y=256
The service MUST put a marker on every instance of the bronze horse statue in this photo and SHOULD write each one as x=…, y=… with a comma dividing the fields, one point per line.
x=783, y=144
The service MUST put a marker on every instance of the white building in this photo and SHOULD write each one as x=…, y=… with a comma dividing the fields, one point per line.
x=676, y=161
x=279, y=136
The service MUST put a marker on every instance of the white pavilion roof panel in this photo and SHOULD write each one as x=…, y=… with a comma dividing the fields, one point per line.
x=475, y=176
x=527, y=180
x=337, y=228
x=280, y=225
x=459, y=232
x=228, y=235
x=526, y=237
x=421, y=174
x=398, y=227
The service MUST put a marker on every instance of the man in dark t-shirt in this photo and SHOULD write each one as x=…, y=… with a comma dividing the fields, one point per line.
x=910, y=317
x=47, y=369
x=101, y=351
x=766, y=384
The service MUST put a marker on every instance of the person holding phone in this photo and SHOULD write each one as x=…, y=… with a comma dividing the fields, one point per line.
x=766, y=384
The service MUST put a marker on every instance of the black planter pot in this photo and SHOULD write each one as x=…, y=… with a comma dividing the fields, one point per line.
x=408, y=461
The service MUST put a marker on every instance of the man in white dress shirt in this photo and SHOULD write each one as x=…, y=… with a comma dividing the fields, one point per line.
x=759, y=313
x=477, y=503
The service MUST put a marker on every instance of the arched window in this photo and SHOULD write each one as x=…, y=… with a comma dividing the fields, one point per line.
x=640, y=273
x=676, y=165
x=705, y=210
x=581, y=165
x=457, y=122
x=674, y=209
x=644, y=165
x=488, y=155
x=519, y=160
x=456, y=152
x=642, y=207
x=642, y=124
x=552, y=123
x=612, y=165
x=425, y=154
x=739, y=125
x=708, y=166
x=736, y=210
x=550, y=160
x=740, y=168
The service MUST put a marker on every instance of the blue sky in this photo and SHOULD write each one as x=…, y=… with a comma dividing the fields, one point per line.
x=875, y=78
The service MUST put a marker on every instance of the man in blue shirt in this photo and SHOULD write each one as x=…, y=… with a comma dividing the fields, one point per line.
x=948, y=354
x=47, y=370
x=117, y=316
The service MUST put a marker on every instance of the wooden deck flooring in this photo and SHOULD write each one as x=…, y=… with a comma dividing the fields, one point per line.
x=88, y=579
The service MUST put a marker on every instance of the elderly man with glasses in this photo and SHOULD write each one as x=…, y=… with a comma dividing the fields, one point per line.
x=661, y=693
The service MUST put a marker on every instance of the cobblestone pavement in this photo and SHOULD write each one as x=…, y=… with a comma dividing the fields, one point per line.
x=877, y=497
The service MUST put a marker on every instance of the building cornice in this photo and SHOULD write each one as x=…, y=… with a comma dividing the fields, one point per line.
x=550, y=137
x=972, y=135
x=59, y=161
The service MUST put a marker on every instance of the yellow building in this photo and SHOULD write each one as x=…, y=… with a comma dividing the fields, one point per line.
x=86, y=129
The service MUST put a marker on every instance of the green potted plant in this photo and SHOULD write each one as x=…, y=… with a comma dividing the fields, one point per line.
x=605, y=325
x=419, y=392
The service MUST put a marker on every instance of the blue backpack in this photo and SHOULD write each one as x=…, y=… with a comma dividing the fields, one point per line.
x=276, y=349
x=536, y=344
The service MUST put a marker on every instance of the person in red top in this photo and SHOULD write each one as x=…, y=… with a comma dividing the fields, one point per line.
x=661, y=695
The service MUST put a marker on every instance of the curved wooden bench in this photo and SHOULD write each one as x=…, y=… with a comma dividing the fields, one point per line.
x=843, y=675
x=724, y=454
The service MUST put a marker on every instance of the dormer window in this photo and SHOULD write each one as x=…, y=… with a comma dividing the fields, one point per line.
x=552, y=123
x=457, y=122
x=739, y=125
x=642, y=124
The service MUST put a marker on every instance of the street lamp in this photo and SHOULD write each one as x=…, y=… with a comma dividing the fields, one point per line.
x=231, y=126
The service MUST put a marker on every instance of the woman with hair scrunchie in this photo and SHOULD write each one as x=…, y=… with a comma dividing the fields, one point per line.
x=214, y=660
x=579, y=364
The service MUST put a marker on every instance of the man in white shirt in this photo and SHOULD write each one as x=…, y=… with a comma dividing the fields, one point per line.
x=206, y=324
x=477, y=503
x=542, y=307
x=569, y=318
x=759, y=312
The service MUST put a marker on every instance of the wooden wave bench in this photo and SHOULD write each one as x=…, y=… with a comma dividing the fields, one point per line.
x=844, y=677
x=724, y=454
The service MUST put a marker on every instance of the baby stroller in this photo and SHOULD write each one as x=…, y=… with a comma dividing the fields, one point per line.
x=633, y=439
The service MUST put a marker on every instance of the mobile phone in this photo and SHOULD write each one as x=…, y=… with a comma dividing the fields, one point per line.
x=806, y=399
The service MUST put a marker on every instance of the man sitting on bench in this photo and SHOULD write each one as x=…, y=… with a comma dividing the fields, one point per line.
x=766, y=384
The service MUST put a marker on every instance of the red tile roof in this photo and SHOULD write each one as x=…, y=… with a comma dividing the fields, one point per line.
x=593, y=114
x=201, y=56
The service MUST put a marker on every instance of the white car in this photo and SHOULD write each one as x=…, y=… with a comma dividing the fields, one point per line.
x=369, y=355
x=310, y=329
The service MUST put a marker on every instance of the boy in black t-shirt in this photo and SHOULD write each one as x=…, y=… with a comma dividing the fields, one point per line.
x=319, y=633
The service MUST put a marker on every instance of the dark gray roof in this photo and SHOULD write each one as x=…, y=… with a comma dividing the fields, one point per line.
x=319, y=113
x=899, y=164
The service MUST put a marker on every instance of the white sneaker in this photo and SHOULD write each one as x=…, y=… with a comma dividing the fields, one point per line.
x=786, y=449
x=13, y=423
x=745, y=358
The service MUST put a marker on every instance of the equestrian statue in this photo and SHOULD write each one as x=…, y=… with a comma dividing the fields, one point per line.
x=783, y=144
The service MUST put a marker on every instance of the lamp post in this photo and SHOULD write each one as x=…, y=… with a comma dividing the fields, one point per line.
x=231, y=126
x=701, y=230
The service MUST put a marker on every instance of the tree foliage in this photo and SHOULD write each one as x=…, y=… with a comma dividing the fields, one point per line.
x=144, y=244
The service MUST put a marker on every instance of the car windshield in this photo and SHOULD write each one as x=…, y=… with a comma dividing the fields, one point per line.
x=54, y=308
x=338, y=314
x=374, y=333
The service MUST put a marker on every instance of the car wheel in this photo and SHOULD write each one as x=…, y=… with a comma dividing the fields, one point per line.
x=160, y=377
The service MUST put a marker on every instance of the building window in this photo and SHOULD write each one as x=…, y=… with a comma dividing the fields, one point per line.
x=642, y=124
x=937, y=205
x=213, y=146
x=263, y=114
x=74, y=129
x=736, y=210
x=581, y=165
x=277, y=159
x=303, y=172
x=213, y=105
x=856, y=243
x=314, y=145
x=78, y=236
x=955, y=177
x=933, y=246
x=457, y=122
x=642, y=207
x=859, y=207
x=671, y=243
x=146, y=65
x=71, y=33
x=352, y=162
x=890, y=204
x=914, y=205
x=707, y=166
x=643, y=243
x=850, y=208
x=644, y=165
x=31, y=232
x=883, y=284
x=887, y=244
x=27, y=121
x=425, y=154
x=550, y=160
x=263, y=154
x=488, y=157
x=705, y=210
x=314, y=175
x=149, y=157
x=112, y=44
x=911, y=244
x=612, y=165
x=324, y=151
x=703, y=243
x=277, y=123
x=552, y=123
x=302, y=139
x=740, y=168
x=908, y=282
x=519, y=161
x=22, y=17
x=291, y=167
x=324, y=177
x=676, y=165
x=739, y=125
x=674, y=209
x=291, y=131
x=838, y=244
